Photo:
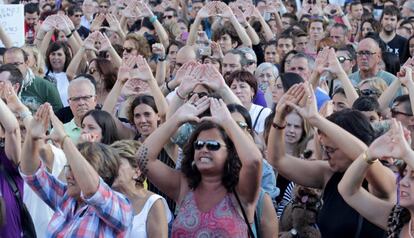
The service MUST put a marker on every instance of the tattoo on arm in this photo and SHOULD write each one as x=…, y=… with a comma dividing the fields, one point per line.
x=143, y=159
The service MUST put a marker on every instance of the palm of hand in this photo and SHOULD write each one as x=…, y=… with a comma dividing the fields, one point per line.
x=37, y=129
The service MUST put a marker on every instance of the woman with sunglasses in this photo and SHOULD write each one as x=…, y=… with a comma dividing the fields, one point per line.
x=343, y=136
x=220, y=174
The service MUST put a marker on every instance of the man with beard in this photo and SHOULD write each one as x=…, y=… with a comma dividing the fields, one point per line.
x=395, y=43
x=31, y=19
x=82, y=98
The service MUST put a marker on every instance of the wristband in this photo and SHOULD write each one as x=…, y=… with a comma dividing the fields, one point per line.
x=153, y=19
x=368, y=160
x=168, y=88
x=70, y=34
x=161, y=59
x=276, y=126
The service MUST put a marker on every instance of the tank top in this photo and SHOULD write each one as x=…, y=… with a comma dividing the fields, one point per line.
x=223, y=220
x=139, y=222
x=337, y=219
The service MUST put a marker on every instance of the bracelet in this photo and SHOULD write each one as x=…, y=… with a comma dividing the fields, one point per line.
x=168, y=88
x=368, y=160
x=70, y=34
x=160, y=59
x=276, y=126
x=153, y=19
x=179, y=96
x=63, y=141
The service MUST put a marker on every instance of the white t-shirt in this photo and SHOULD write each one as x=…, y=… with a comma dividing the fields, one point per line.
x=260, y=116
x=62, y=84
x=41, y=213
x=139, y=222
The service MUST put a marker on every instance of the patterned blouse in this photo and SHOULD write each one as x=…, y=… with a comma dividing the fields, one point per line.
x=398, y=217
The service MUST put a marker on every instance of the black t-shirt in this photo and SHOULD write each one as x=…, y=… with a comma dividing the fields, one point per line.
x=398, y=46
x=337, y=219
x=83, y=32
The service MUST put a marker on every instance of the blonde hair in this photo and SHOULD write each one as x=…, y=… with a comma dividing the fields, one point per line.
x=375, y=82
x=40, y=66
x=140, y=43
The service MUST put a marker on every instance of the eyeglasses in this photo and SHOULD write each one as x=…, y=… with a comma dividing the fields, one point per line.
x=328, y=150
x=92, y=70
x=104, y=6
x=211, y=145
x=243, y=125
x=394, y=113
x=365, y=53
x=78, y=15
x=200, y=94
x=342, y=59
x=128, y=50
x=83, y=98
x=167, y=17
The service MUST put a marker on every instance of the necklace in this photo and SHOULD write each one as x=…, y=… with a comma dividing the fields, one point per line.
x=409, y=229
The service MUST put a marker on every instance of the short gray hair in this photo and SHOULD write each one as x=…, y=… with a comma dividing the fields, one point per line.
x=309, y=59
x=82, y=80
x=264, y=66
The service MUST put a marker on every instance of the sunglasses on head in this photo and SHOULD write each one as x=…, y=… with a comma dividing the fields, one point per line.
x=370, y=92
x=211, y=145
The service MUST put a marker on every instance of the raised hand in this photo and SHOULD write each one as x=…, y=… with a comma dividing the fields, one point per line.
x=89, y=42
x=187, y=77
x=12, y=100
x=132, y=11
x=105, y=42
x=310, y=109
x=321, y=60
x=192, y=109
x=68, y=22
x=124, y=70
x=406, y=76
x=143, y=70
x=293, y=95
x=224, y=10
x=334, y=66
x=392, y=144
x=240, y=16
x=58, y=133
x=211, y=78
x=158, y=49
x=144, y=9
x=113, y=22
x=220, y=114
x=97, y=22
x=40, y=122
x=217, y=53
x=49, y=23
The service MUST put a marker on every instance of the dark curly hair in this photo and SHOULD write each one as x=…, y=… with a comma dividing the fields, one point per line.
x=232, y=165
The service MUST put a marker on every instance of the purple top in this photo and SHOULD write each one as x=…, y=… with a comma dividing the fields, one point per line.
x=12, y=227
x=259, y=99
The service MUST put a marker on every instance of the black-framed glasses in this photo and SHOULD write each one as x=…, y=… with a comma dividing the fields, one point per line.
x=167, y=17
x=127, y=49
x=365, y=53
x=211, y=145
x=104, y=6
x=342, y=59
x=83, y=98
x=395, y=112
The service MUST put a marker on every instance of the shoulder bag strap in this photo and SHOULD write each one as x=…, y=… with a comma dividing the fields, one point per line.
x=257, y=118
x=244, y=215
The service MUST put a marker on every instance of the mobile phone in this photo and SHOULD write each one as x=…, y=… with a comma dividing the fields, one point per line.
x=204, y=50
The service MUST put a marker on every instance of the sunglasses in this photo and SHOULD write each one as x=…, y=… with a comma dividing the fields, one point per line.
x=394, y=113
x=211, y=145
x=78, y=15
x=200, y=94
x=128, y=50
x=369, y=92
x=167, y=17
x=342, y=59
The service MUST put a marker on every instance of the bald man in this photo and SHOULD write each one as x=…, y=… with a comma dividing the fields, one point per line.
x=368, y=60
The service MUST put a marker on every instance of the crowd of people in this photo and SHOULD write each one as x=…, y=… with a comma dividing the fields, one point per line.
x=196, y=118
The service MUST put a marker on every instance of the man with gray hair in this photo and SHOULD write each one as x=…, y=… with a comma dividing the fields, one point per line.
x=303, y=65
x=408, y=9
x=82, y=98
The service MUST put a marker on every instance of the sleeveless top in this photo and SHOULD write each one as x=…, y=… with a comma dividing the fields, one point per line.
x=337, y=219
x=398, y=217
x=139, y=222
x=223, y=220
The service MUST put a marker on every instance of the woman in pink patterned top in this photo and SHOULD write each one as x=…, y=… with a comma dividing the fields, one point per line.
x=219, y=161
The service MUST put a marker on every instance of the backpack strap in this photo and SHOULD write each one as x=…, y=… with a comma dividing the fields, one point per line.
x=257, y=118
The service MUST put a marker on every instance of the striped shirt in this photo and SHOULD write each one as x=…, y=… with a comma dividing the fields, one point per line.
x=105, y=214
